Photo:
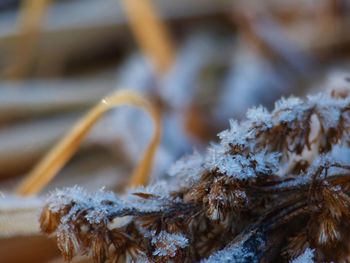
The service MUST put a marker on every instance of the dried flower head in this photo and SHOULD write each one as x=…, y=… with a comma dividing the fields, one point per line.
x=275, y=189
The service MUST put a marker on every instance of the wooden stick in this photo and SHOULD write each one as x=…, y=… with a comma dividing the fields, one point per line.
x=19, y=220
x=45, y=171
x=150, y=33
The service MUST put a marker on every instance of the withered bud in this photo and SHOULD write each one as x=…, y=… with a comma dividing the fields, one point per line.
x=328, y=231
x=99, y=247
x=224, y=198
x=67, y=242
x=49, y=220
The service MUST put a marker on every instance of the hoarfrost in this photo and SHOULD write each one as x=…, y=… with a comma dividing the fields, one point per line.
x=158, y=189
x=241, y=166
x=306, y=257
x=63, y=197
x=217, y=158
x=341, y=154
x=244, y=251
x=283, y=103
x=259, y=115
x=323, y=160
x=330, y=109
x=301, y=180
x=99, y=205
x=167, y=243
x=283, y=108
x=189, y=168
x=103, y=202
x=330, y=117
x=266, y=162
x=235, y=134
x=293, y=108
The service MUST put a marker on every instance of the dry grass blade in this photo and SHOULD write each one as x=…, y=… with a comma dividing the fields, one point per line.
x=150, y=32
x=45, y=171
x=32, y=13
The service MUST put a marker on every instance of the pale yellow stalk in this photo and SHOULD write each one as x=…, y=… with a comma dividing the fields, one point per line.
x=30, y=19
x=150, y=33
x=51, y=164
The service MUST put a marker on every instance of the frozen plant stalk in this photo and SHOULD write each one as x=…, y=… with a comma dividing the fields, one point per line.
x=273, y=190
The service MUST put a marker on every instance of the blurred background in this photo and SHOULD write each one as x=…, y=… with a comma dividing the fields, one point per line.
x=200, y=62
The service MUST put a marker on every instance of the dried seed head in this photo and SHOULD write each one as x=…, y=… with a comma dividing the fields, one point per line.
x=245, y=199
x=225, y=197
x=168, y=246
x=297, y=244
x=336, y=202
x=67, y=242
x=328, y=232
x=49, y=221
x=99, y=247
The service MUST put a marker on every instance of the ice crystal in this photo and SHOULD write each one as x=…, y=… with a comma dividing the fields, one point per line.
x=167, y=244
x=63, y=197
x=244, y=251
x=306, y=257
x=293, y=183
x=99, y=205
x=330, y=111
x=289, y=103
x=241, y=166
x=158, y=189
x=259, y=115
x=288, y=109
x=235, y=134
x=189, y=168
x=218, y=159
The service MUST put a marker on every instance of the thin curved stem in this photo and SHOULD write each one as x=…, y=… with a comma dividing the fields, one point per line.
x=30, y=23
x=52, y=162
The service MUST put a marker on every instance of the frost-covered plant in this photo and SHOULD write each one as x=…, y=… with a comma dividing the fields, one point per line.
x=276, y=188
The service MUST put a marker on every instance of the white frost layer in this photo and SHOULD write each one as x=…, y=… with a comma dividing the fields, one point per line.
x=306, y=257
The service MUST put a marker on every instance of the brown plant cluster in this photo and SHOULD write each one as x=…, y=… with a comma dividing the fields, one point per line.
x=274, y=189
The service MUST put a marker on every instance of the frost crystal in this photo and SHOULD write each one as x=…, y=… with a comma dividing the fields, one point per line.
x=218, y=159
x=330, y=111
x=103, y=202
x=306, y=257
x=284, y=108
x=259, y=115
x=244, y=251
x=167, y=244
x=289, y=103
x=63, y=197
x=158, y=189
x=234, y=134
x=241, y=166
x=188, y=169
x=237, y=155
